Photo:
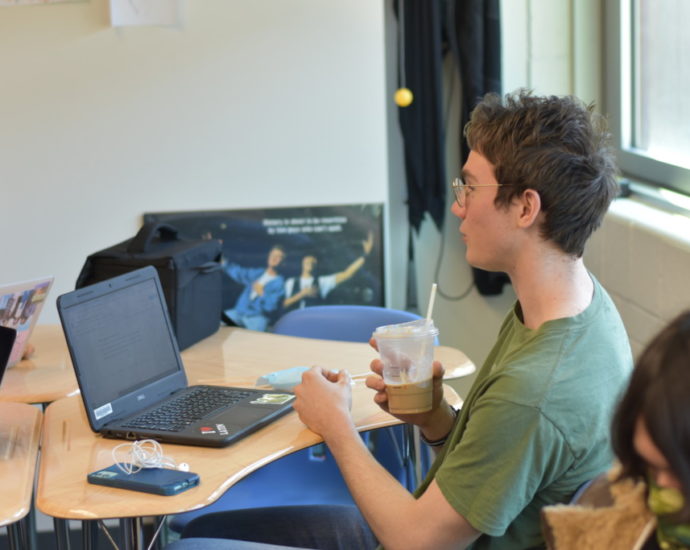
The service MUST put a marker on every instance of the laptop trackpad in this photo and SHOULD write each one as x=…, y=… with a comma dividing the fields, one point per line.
x=244, y=415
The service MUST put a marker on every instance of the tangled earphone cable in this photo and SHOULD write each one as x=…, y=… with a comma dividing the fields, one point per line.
x=138, y=455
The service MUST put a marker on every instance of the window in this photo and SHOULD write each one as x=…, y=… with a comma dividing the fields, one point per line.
x=647, y=80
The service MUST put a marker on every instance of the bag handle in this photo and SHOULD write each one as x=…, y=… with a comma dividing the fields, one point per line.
x=142, y=240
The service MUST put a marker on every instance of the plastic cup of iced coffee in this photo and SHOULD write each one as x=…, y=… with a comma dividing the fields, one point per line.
x=407, y=353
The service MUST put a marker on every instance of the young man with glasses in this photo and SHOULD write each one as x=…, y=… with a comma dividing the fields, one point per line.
x=535, y=424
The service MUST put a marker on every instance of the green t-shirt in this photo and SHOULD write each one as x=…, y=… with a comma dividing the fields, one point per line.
x=536, y=422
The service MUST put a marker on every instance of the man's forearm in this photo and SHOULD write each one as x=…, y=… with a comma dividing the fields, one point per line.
x=347, y=273
x=399, y=521
x=385, y=504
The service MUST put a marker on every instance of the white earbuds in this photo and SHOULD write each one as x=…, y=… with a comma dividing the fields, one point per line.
x=147, y=453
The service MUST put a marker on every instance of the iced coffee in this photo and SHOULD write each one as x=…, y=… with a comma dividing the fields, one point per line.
x=407, y=353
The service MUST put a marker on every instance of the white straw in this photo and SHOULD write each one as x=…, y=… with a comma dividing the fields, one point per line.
x=432, y=297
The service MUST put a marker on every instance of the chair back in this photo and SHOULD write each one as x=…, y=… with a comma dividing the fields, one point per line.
x=347, y=323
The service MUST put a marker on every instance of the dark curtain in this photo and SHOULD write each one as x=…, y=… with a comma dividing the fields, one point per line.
x=478, y=51
x=422, y=122
x=475, y=40
x=469, y=30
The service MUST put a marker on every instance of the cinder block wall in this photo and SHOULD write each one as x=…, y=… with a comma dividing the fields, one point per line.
x=641, y=255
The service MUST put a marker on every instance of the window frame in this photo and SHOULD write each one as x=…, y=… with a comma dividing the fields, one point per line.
x=634, y=163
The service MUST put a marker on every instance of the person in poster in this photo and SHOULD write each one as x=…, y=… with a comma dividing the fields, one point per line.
x=262, y=294
x=309, y=289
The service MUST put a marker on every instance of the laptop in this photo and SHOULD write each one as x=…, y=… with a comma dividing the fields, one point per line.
x=20, y=307
x=8, y=439
x=131, y=375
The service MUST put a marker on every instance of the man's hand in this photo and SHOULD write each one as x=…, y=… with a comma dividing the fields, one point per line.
x=323, y=400
x=258, y=288
x=308, y=292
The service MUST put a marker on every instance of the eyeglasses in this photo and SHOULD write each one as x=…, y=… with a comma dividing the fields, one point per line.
x=461, y=189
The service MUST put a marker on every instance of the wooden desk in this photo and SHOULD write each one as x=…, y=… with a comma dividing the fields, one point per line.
x=20, y=430
x=233, y=357
x=46, y=376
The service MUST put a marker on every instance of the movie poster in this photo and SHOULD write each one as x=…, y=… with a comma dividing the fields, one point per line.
x=279, y=259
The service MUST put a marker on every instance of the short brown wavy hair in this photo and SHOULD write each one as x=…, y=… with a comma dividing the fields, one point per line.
x=557, y=146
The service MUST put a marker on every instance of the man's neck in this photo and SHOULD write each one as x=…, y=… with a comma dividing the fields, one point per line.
x=271, y=271
x=554, y=286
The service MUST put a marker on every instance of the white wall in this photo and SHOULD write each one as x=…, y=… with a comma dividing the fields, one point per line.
x=641, y=255
x=398, y=227
x=248, y=104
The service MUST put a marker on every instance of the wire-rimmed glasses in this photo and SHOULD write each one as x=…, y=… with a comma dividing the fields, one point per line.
x=461, y=189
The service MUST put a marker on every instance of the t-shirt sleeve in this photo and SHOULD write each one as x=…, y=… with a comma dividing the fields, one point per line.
x=289, y=285
x=326, y=284
x=508, y=451
x=242, y=275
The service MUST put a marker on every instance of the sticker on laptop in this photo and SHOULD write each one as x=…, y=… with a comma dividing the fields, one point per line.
x=103, y=411
x=217, y=429
x=273, y=399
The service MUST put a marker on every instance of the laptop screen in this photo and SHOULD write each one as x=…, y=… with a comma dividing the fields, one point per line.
x=20, y=306
x=7, y=336
x=122, y=338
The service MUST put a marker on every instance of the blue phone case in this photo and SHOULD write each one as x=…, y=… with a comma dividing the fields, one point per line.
x=159, y=481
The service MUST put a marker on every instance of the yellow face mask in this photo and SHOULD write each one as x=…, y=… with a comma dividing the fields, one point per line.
x=663, y=501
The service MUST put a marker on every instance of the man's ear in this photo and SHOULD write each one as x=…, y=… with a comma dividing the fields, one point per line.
x=530, y=207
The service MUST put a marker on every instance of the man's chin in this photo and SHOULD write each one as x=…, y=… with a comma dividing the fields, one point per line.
x=479, y=264
x=474, y=262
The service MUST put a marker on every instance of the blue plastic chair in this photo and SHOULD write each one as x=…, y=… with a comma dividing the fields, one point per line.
x=344, y=323
x=311, y=476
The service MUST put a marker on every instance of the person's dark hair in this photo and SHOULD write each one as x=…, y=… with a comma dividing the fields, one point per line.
x=314, y=254
x=659, y=394
x=557, y=146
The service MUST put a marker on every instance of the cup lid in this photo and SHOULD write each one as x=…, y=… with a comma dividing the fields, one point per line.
x=419, y=327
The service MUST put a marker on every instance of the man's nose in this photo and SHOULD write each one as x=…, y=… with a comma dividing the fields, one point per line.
x=457, y=210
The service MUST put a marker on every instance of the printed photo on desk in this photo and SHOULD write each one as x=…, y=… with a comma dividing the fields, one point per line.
x=279, y=259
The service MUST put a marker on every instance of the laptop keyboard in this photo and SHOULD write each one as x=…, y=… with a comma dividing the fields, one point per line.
x=175, y=415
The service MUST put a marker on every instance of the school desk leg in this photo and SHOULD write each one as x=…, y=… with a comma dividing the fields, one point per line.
x=132, y=533
x=61, y=533
x=15, y=536
x=89, y=534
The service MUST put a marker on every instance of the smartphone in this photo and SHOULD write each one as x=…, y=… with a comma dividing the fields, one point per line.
x=159, y=481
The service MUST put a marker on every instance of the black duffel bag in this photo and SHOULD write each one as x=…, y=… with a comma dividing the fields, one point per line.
x=189, y=271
